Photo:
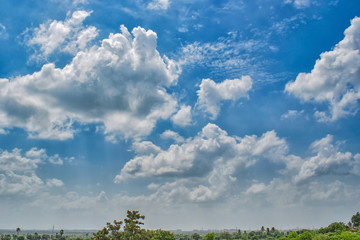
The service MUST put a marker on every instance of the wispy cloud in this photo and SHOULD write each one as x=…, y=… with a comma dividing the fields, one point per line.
x=159, y=4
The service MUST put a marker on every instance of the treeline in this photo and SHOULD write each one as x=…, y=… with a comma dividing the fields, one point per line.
x=130, y=229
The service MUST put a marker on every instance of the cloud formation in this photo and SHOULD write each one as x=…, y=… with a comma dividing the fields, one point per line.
x=159, y=4
x=206, y=167
x=211, y=93
x=209, y=159
x=17, y=172
x=183, y=116
x=328, y=160
x=120, y=84
x=334, y=79
x=68, y=36
x=299, y=3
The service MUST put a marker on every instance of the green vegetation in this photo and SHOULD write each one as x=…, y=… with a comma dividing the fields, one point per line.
x=132, y=230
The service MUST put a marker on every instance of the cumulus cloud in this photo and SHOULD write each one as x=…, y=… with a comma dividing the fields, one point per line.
x=183, y=116
x=159, y=4
x=120, y=84
x=256, y=188
x=206, y=168
x=17, y=172
x=328, y=160
x=334, y=78
x=211, y=93
x=212, y=157
x=68, y=36
x=168, y=134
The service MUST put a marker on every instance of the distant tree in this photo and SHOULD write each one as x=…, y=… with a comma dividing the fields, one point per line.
x=262, y=229
x=209, y=236
x=355, y=220
x=305, y=236
x=334, y=227
x=195, y=236
x=225, y=235
x=163, y=235
x=36, y=236
x=18, y=230
x=20, y=238
x=292, y=235
x=236, y=235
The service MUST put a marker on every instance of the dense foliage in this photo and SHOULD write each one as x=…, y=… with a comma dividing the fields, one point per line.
x=131, y=230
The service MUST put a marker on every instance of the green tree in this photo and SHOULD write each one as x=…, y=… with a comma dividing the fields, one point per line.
x=209, y=236
x=225, y=235
x=132, y=227
x=305, y=236
x=292, y=235
x=163, y=235
x=334, y=227
x=355, y=220
x=195, y=236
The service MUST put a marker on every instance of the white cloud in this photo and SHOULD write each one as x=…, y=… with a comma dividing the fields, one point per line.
x=69, y=36
x=292, y=114
x=3, y=32
x=17, y=172
x=56, y=160
x=327, y=160
x=168, y=134
x=205, y=164
x=159, y=4
x=211, y=94
x=183, y=116
x=286, y=24
x=120, y=84
x=3, y=131
x=145, y=148
x=299, y=3
x=54, y=182
x=256, y=188
x=334, y=78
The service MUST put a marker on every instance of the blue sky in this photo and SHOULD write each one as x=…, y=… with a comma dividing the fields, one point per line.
x=200, y=114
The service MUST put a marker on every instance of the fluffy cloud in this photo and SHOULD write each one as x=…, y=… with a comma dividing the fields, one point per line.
x=159, y=4
x=211, y=94
x=168, y=134
x=206, y=167
x=334, y=78
x=209, y=160
x=69, y=36
x=328, y=160
x=183, y=116
x=17, y=172
x=120, y=84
